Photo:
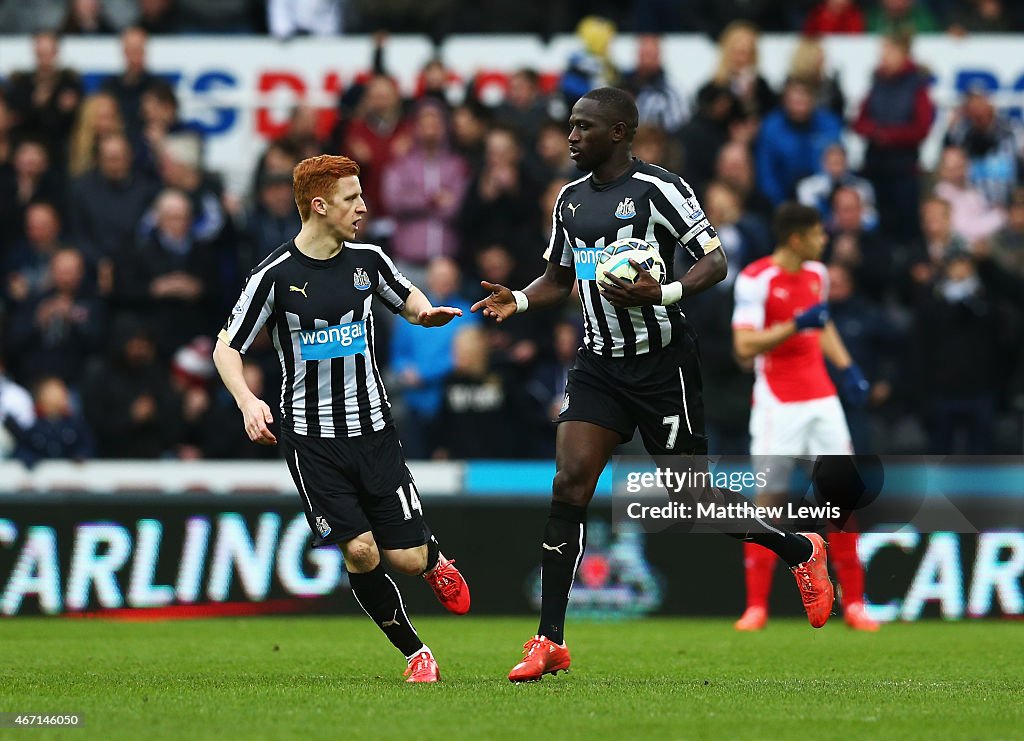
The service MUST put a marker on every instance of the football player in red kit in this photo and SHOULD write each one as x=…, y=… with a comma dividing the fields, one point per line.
x=781, y=320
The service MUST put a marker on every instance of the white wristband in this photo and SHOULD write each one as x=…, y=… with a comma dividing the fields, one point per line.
x=522, y=302
x=671, y=293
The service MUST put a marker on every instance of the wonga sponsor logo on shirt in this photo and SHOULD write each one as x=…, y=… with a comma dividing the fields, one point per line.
x=585, y=259
x=333, y=342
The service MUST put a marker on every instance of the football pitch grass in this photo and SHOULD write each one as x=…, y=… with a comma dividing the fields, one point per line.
x=284, y=678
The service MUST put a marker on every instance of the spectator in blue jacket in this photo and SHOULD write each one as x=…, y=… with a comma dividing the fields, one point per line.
x=591, y=66
x=792, y=141
x=421, y=360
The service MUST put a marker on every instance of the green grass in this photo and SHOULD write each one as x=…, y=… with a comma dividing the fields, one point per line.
x=302, y=678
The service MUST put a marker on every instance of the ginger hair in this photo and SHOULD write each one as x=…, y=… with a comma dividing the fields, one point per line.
x=316, y=177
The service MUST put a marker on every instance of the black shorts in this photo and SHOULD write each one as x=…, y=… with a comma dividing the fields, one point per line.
x=351, y=485
x=658, y=392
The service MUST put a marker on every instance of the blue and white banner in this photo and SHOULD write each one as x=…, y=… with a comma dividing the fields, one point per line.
x=240, y=91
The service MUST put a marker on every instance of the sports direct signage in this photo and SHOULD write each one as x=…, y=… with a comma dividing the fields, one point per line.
x=156, y=556
x=239, y=90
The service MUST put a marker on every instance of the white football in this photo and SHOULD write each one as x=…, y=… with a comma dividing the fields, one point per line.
x=614, y=260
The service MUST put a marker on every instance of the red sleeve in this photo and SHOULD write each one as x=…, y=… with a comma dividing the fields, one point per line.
x=864, y=125
x=856, y=24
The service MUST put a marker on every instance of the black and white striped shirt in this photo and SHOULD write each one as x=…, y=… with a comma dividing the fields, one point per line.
x=319, y=319
x=647, y=202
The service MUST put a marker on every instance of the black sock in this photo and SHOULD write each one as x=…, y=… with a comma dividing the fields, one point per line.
x=565, y=538
x=378, y=595
x=792, y=548
x=433, y=551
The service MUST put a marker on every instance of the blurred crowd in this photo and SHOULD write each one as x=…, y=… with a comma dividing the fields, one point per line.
x=438, y=18
x=121, y=255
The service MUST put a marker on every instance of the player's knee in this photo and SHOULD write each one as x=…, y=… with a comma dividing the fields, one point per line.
x=361, y=554
x=412, y=561
x=572, y=487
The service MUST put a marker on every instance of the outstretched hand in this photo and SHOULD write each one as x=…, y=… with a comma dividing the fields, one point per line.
x=643, y=291
x=499, y=305
x=437, y=316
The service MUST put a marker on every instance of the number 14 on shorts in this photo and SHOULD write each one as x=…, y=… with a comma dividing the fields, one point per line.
x=409, y=498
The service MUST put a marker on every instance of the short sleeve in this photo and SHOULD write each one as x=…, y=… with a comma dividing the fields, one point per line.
x=393, y=288
x=674, y=205
x=250, y=312
x=559, y=250
x=750, y=297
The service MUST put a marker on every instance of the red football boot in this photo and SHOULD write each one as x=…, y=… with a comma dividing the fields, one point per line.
x=856, y=616
x=540, y=657
x=423, y=668
x=449, y=586
x=812, y=579
x=752, y=619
